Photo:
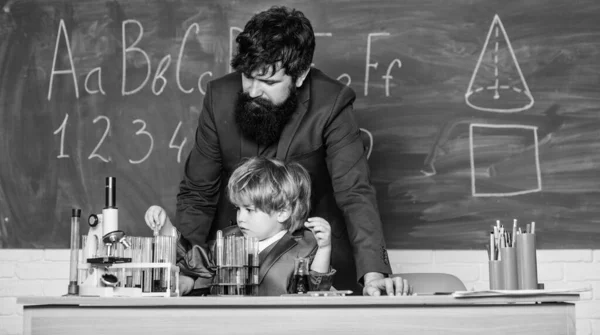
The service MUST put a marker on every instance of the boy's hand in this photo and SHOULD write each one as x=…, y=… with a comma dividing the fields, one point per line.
x=186, y=284
x=322, y=230
x=156, y=218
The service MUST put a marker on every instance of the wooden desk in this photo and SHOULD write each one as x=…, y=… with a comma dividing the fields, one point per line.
x=299, y=315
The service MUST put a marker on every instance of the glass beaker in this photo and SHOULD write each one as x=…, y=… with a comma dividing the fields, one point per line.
x=300, y=281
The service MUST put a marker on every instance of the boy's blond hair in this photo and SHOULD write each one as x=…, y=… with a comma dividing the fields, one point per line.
x=271, y=185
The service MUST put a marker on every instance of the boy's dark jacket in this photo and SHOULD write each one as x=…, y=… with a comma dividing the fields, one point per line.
x=276, y=263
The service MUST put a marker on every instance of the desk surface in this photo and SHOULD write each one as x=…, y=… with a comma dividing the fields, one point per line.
x=424, y=315
x=348, y=301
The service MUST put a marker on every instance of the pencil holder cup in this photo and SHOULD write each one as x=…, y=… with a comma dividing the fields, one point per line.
x=526, y=262
x=508, y=256
x=496, y=277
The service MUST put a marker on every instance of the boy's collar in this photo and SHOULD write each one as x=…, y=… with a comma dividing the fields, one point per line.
x=268, y=241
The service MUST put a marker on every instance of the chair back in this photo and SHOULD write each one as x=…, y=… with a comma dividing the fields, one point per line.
x=431, y=283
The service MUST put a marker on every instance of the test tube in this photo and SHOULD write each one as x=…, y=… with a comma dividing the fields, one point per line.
x=255, y=264
x=244, y=269
x=239, y=266
x=157, y=258
x=229, y=259
x=172, y=250
x=228, y=256
x=136, y=257
x=233, y=277
x=219, y=246
x=75, y=216
x=120, y=253
x=146, y=258
x=128, y=276
x=219, y=263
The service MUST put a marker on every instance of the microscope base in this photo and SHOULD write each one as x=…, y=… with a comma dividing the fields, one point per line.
x=89, y=291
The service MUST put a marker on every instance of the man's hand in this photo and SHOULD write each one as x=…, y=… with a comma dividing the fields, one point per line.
x=155, y=218
x=375, y=284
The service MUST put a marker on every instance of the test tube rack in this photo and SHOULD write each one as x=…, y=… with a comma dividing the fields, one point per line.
x=237, y=265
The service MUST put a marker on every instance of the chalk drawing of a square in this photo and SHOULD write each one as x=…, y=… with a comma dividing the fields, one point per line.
x=538, y=188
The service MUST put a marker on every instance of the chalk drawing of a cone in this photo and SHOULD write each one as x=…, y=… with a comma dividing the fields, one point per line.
x=497, y=84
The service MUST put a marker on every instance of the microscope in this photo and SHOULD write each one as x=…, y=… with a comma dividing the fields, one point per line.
x=106, y=271
x=99, y=251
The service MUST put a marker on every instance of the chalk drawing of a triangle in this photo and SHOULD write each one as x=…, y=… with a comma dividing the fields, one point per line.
x=497, y=84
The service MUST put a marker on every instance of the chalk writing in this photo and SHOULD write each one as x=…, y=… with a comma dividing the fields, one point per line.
x=106, y=131
x=179, y=60
x=368, y=64
x=61, y=130
x=369, y=145
x=511, y=103
x=387, y=76
x=143, y=131
x=160, y=71
x=207, y=73
x=231, y=39
x=159, y=80
x=133, y=52
x=534, y=129
x=178, y=147
x=347, y=77
x=98, y=72
x=62, y=30
x=133, y=48
x=343, y=75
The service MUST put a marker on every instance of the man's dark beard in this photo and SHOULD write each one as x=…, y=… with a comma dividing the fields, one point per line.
x=262, y=121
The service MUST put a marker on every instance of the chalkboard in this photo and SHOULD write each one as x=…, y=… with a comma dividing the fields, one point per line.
x=473, y=110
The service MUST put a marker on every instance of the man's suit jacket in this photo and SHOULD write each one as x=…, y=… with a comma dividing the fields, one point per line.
x=276, y=263
x=323, y=136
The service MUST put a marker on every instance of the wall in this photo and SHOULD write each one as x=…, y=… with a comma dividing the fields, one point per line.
x=45, y=273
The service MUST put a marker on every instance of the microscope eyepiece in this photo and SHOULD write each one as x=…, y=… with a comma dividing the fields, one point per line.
x=111, y=192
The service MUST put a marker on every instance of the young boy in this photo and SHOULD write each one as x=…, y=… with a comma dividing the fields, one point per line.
x=273, y=202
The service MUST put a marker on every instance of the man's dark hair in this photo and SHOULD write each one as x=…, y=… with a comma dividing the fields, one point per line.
x=278, y=34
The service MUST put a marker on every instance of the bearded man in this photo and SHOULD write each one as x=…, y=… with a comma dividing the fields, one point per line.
x=276, y=105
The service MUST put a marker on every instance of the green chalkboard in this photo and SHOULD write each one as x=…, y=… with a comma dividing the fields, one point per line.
x=472, y=111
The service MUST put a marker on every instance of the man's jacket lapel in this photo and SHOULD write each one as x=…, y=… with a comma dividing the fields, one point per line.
x=290, y=130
